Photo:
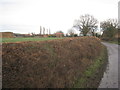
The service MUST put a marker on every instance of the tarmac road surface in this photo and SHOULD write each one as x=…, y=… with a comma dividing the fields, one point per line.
x=110, y=77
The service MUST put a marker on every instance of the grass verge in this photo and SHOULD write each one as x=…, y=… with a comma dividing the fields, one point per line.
x=92, y=76
x=8, y=40
x=114, y=42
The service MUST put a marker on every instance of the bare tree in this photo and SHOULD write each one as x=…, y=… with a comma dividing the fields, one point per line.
x=110, y=23
x=59, y=31
x=40, y=30
x=109, y=28
x=43, y=30
x=49, y=31
x=86, y=23
x=93, y=30
x=71, y=32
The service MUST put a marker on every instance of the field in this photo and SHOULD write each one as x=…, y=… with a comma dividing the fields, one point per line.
x=64, y=63
x=8, y=40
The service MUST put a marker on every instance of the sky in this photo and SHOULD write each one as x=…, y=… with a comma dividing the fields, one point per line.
x=26, y=16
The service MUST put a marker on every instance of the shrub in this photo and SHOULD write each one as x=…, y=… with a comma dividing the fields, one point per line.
x=48, y=64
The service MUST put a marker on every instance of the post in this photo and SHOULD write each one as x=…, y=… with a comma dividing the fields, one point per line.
x=119, y=15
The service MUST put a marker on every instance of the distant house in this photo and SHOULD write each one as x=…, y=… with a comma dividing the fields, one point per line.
x=59, y=34
x=45, y=35
x=6, y=35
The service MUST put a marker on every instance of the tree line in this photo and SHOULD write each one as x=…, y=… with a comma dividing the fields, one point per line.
x=89, y=24
x=44, y=31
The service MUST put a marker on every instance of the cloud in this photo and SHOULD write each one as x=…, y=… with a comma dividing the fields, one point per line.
x=54, y=14
x=5, y=3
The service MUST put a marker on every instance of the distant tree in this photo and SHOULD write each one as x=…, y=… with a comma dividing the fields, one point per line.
x=75, y=35
x=71, y=32
x=49, y=31
x=93, y=30
x=109, y=28
x=59, y=31
x=40, y=30
x=67, y=35
x=43, y=30
x=110, y=23
x=86, y=23
x=33, y=34
x=97, y=35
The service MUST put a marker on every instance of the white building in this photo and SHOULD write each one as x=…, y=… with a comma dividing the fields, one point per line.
x=119, y=14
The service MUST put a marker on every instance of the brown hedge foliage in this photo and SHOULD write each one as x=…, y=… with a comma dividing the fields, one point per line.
x=47, y=64
x=6, y=35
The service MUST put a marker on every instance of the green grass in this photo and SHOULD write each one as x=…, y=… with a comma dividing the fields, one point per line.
x=8, y=40
x=90, y=72
x=114, y=42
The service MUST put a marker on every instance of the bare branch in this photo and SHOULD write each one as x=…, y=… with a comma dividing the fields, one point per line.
x=87, y=23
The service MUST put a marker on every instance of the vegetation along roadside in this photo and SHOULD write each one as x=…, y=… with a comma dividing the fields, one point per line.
x=92, y=76
x=63, y=63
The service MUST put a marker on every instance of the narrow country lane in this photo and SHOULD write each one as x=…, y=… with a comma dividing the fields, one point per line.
x=110, y=77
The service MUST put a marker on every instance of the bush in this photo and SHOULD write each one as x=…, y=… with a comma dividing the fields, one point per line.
x=75, y=35
x=48, y=64
x=51, y=36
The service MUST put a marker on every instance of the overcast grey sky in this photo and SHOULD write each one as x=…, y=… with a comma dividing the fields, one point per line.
x=25, y=16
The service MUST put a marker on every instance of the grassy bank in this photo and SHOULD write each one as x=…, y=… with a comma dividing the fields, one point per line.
x=93, y=74
x=9, y=40
x=112, y=41
x=115, y=42
x=51, y=64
